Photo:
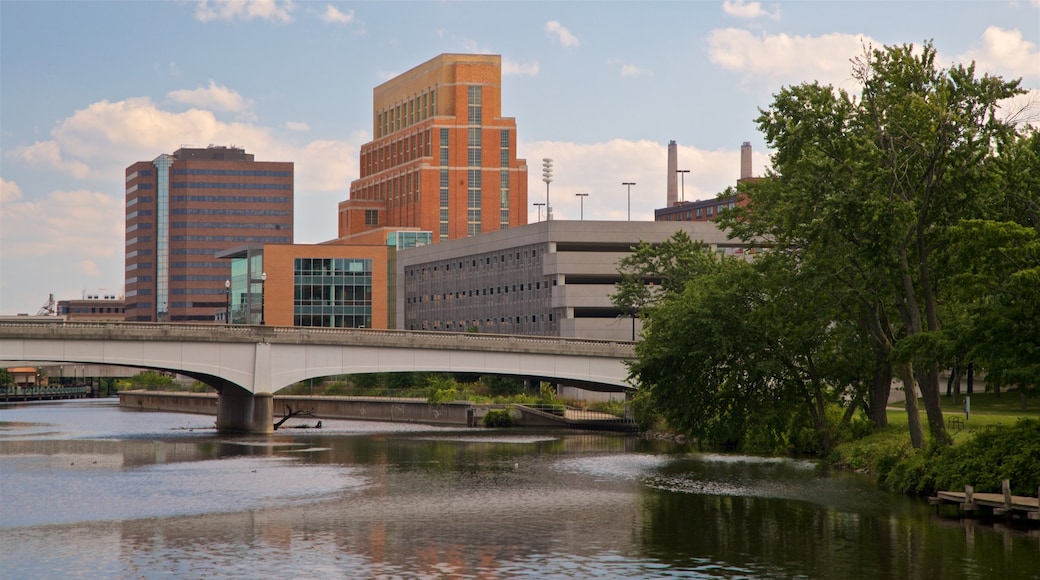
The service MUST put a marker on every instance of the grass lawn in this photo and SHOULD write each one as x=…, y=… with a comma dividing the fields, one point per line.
x=986, y=409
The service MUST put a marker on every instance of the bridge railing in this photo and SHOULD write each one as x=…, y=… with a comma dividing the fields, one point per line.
x=308, y=334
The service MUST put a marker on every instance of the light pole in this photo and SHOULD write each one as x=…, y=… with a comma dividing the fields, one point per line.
x=547, y=170
x=629, y=184
x=539, y=210
x=263, y=294
x=227, y=301
x=682, y=182
x=582, y=197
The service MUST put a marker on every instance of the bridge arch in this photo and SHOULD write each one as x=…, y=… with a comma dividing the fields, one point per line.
x=245, y=362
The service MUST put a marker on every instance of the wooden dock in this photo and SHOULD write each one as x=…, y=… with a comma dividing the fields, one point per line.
x=998, y=503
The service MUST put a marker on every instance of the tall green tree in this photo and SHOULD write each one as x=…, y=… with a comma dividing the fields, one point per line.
x=865, y=186
x=999, y=282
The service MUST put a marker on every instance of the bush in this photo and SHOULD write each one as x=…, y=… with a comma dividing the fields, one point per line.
x=993, y=454
x=498, y=418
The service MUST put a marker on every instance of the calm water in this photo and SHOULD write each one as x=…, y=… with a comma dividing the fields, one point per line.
x=88, y=490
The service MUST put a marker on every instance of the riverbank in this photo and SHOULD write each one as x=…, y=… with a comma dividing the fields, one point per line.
x=992, y=443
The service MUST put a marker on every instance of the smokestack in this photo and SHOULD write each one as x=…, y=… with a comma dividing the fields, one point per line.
x=745, y=160
x=673, y=181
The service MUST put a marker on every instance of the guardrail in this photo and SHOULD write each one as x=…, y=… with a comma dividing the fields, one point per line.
x=347, y=336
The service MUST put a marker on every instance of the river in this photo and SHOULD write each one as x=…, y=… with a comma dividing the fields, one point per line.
x=90, y=490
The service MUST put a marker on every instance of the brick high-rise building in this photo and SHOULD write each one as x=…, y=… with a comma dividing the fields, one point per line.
x=181, y=210
x=443, y=158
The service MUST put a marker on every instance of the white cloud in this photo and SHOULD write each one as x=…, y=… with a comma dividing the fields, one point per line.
x=631, y=70
x=273, y=10
x=565, y=37
x=214, y=97
x=513, y=68
x=9, y=192
x=333, y=15
x=774, y=59
x=297, y=126
x=599, y=169
x=749, y=10
x=72, y=239
x=1006, y=53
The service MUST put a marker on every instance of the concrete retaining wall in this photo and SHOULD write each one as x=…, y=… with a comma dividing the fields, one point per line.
x=362, y=408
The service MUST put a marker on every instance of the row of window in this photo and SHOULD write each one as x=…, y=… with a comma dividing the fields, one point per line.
x=414, y=110
x=313, y=266
x=397, y=191
x=218, y=185
x=230, y=225
x=528, y=255
x=228, y=211
x=397, y=152
x=490, y=291
x=490, y=324
x=236, y=239
x=228, y=199
x=136, y=174
x=232, y=172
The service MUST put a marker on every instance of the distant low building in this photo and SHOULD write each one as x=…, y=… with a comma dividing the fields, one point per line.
x=101, y=306
x=551, y=278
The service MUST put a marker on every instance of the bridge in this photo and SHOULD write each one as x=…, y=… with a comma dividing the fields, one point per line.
x=247, y=364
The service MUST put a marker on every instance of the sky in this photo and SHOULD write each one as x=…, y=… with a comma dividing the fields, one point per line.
x=87, y=88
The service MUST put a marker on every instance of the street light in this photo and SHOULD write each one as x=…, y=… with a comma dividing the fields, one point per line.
x=582, y=197
x=539, y=210
x=682, y=182
x=547, y=170
x=227, y=301
x=629, y=184
x=263, y=292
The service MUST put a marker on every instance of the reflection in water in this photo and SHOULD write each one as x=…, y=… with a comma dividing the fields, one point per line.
x=94, y=491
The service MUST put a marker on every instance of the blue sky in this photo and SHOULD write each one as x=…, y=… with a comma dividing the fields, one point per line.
x=87, y=88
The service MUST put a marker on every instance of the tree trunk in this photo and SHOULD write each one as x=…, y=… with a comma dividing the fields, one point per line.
x=882, y=387
x=971, y=378
x=928, y=380
x=912, y=414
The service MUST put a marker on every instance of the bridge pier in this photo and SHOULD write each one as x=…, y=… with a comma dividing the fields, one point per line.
x=240, y=411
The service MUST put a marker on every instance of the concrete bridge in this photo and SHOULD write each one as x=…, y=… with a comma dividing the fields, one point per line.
x=248, y=364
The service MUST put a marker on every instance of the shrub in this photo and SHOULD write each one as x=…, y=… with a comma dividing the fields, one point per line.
x=498, y=418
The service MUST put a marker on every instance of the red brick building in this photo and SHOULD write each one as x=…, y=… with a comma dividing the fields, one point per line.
x=181, y=210
x=443, y=158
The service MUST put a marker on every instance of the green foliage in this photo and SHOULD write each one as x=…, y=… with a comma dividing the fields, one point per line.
x=200, y=387
x=152, y=380
x=441, y=389
x=336, y=389
x=992, y=455
x=645, y=411
x=498, y=418
x=502, y=386
x=988, y=456
x=547, y=394
x=6, y=378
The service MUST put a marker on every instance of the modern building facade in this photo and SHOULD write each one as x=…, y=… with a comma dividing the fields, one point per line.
x=443, y=158
x=181, y=210
x=552, y=278
x=680, y=210
x=317, y=285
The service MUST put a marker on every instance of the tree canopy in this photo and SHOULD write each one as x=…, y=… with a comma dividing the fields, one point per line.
x=902, y=223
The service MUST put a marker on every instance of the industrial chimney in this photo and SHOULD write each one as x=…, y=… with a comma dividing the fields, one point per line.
x=745, y=160
x=673, y=181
